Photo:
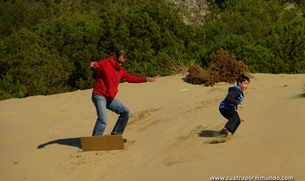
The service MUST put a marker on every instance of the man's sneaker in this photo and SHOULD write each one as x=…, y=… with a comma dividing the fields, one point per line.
x=124, y=140
x=224, y=131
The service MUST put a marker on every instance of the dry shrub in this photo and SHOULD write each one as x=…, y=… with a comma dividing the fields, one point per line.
x=196, y=75
x=223, y=68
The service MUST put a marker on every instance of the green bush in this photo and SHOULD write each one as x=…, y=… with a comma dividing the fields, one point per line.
x=266, y=35
x=54, y=55
x=10, y=88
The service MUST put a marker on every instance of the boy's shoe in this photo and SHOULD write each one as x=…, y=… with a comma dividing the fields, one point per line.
x=224, y=131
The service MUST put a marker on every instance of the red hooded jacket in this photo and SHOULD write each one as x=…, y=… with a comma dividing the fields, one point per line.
x=108, y=78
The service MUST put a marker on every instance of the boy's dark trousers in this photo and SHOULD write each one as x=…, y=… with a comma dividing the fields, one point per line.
x=233, y=119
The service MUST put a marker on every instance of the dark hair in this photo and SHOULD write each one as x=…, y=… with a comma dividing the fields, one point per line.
x=121, y=53
x=242, y=78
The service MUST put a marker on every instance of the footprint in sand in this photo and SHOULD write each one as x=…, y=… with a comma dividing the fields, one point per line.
x=219, y=139
x=192, y=133
x=140, y=115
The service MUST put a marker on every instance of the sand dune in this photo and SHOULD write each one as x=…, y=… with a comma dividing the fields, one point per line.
x=174, y=123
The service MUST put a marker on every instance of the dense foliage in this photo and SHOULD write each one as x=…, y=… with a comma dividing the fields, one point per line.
x=266, y=35
x=46, y=46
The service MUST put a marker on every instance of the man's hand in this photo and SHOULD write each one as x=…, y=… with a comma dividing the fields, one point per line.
x=152, y=79
x=94, y=65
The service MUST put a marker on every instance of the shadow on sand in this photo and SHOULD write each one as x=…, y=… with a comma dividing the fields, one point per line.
x=209, y=133
x=215, y=136
x=67, y=141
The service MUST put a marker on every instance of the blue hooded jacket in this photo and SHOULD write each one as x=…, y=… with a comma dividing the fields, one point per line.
x=234, y=97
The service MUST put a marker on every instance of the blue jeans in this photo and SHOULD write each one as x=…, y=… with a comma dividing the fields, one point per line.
x=101, y=105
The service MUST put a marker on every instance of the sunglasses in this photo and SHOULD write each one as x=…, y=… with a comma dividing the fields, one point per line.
x=120, y=61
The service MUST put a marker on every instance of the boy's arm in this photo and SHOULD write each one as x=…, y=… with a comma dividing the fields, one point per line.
x=231, y=97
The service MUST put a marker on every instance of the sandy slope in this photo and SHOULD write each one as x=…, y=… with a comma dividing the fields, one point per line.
x=173, y=123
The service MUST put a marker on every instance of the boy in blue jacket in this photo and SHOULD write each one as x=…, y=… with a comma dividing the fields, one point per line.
x=233, y=101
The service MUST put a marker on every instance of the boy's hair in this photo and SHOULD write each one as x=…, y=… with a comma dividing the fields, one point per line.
x=242, y=78
x=121, y=53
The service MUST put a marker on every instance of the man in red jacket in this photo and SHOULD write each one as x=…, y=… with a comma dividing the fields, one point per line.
x=110, y=73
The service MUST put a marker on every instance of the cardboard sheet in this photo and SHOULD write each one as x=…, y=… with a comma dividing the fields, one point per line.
x=104, y=143
x=101, y=143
